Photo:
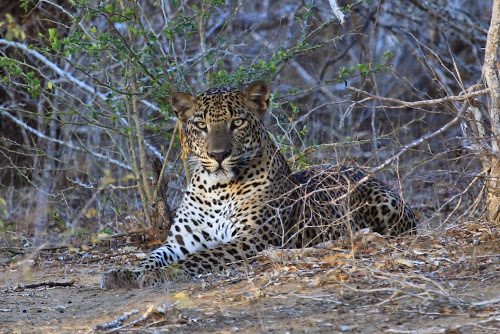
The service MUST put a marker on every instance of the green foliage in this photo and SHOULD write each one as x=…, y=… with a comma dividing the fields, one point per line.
x=55, y=43
x=61, y=223
x=107, y=231
x=13, y=30
x=33, y=84
x=79, y=232
x=365, y=69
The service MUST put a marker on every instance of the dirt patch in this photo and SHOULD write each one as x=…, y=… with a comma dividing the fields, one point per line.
x=419, y=284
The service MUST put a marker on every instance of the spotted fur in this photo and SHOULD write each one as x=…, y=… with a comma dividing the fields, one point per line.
x=243, y=198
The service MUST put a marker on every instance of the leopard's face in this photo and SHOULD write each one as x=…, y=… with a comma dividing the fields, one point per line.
x=224, y=127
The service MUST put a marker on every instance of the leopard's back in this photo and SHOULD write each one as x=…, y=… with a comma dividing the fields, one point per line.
x=335, y=200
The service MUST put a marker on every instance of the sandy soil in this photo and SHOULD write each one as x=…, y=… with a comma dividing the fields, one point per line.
x=422, y=284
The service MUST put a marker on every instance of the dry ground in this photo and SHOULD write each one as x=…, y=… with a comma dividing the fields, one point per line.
x=447, y=282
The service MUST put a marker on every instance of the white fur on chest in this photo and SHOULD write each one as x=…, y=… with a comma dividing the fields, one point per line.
x=207, y=212
x=217, y=207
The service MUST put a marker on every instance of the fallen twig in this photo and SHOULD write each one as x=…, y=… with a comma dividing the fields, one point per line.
x=486, y=302
x=451, y=329
x=115, y=323
x=19, y=250
x=152, y=310
x=145, y=317
x=49, y=284
x=321, y=298
x=13, y=250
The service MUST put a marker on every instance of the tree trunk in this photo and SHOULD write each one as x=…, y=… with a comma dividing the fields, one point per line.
x=493, y=192
x=491, y=74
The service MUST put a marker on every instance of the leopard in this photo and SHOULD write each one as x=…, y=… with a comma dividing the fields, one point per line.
x=243, y=197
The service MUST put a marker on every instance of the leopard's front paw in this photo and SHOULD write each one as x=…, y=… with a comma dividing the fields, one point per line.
x=175, y=272
x=120, y=278
x=152, y=277
x=162, y=275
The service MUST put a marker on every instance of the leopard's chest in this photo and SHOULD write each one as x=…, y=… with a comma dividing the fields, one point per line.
x=222, y=200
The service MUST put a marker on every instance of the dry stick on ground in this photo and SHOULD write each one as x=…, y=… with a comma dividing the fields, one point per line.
x=49, y=284
x=450, y=329
x=486, y=303
x=146, y=316
x=115, y=323
x=13, y=250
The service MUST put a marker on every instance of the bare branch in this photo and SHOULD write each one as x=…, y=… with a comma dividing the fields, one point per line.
x=70, y=145
x=407, y=104
x=336, y=11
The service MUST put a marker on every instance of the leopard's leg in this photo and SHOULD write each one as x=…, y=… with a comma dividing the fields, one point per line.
x=210, y=260
x=120, y=278
x=179, y=244
x=158, y=267
x=149, y=272
x=383, y=210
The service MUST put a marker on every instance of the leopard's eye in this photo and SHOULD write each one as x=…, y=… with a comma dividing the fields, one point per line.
x=201, y=125
x=238, y=122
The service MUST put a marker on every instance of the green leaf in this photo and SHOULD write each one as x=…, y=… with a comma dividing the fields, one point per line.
x=133, y=30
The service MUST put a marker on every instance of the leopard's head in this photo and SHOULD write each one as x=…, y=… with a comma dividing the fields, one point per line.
x=224, y=126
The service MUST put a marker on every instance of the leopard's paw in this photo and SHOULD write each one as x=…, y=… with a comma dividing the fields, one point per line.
x=120, y=278
x=174, y=272
x=152, y=278
x=162, y=275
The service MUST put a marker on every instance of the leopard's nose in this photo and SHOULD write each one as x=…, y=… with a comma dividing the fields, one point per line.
x=219, y=156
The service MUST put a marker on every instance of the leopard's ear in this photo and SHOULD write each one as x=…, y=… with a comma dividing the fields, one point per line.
x=183, y=105
x=257, y=95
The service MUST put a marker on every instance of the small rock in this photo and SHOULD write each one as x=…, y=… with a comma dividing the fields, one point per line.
x=347, y=328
